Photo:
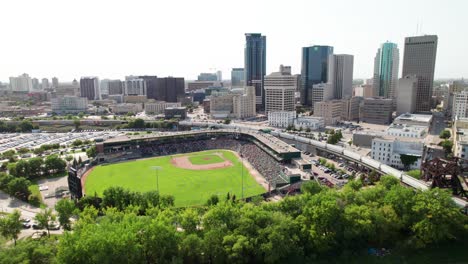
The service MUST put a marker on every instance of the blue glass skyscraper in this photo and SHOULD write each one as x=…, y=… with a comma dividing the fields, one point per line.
x=255, y=65
x=386, y=70
x=314, y=70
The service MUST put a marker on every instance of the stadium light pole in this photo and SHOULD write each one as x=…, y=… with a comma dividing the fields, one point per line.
x=157, y=169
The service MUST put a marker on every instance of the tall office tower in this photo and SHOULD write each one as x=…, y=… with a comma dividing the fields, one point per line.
x=150, y=85
x=219, y=76
x=207, y=76
x=314, y=70
x=419, y=59
x=255, y=65
x=55, y=82
x=169, y=89
x=386, y=65
x=406, y=94
x=115, y=87
x=89, y=88
x=279, y=90
x=134, y=86
x=104, y=86
x=35, y=84
x=237, y=77
x=460, y=104
x=45, y=83
x=340, y=75
x=22, y=83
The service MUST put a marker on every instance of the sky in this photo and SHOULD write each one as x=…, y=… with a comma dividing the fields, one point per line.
x=113, y=39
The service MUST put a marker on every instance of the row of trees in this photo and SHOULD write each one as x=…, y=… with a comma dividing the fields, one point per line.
x=140, y=123
x=37, y=167
x=303, y=228
x=23, y=126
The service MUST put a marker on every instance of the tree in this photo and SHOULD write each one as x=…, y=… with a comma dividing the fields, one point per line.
x=54, y=164
x=227, y=121
x=22, y=168
x=19, y=187
x=311, y=187
x=445, y=134
x=36, y=167
x=69, y=158
x=91, y=152
x=10, y=225
x=65, y=209
x=45, y=219
x=437, y=217
x=213, y=200
x=25, y=126
x=408, y=160
x=189, y=220
x=447, y=145
x=388, y=181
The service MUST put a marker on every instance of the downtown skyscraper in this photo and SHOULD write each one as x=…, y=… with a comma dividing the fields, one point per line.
x=419, y=60
x=255, y=65
x=386, y=64
x=340, y=75
x=314, y=70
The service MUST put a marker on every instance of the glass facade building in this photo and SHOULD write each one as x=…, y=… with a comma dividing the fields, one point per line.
x=237, y=77
x=255, y=65
x=314, y=70
x=386, y=65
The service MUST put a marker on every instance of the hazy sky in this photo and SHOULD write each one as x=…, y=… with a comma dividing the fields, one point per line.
x=112, y=39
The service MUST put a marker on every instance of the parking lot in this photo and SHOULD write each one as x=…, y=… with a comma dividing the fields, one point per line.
x=34, y=140
x=49, y=195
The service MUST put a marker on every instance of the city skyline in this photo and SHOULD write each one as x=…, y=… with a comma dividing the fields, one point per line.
x=78, y=47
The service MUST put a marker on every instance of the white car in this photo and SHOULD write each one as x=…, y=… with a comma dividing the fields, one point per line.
x=43, y=187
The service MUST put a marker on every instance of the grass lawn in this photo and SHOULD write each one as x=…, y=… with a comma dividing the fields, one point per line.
x=415, y=174
x=189, y=187
x=34, y=188
x=205, y=159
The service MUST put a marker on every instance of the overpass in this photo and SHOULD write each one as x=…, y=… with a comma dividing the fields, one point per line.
x=350, y=155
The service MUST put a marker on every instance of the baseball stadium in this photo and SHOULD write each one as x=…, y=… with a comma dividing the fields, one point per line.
x=194, y=165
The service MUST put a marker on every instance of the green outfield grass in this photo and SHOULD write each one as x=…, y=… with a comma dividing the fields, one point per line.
x=189, y=187
x=205, y=159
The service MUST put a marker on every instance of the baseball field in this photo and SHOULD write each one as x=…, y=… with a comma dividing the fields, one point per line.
x=191, y=178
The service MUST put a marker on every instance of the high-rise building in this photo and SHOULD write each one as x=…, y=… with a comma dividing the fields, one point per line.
x=45, y=83
x=208, y=76
x=243, y=105
x=386, y=65
x=35, y=84
x=22, y=83
x=169, y=89
x=330, y=111
x=321, y=92
x=89, y=88
x=55, y=82
x=406, y=94
x=69, y=104
x=460, y=104
x=115, y=87
x=376, y=111
x=150, y=85
x=219, y=76
x=419, y=59
x=134, y=86
x=237, y=77
x=340, y=75
x=255, y=65
x=279, y=90
x=314, y=70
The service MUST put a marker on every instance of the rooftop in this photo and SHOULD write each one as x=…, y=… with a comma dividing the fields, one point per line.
x=414, y=118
